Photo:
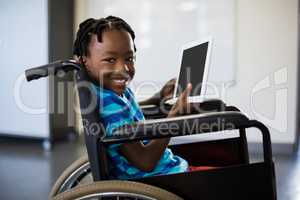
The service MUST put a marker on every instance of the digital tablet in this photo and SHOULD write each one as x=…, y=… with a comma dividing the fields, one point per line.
x=193, y=68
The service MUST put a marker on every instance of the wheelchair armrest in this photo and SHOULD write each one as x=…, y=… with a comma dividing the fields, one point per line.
x=178, y=126
x=189, y=125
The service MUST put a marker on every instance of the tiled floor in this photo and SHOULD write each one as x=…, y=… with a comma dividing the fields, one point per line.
x=27, y=171
x=288, y=176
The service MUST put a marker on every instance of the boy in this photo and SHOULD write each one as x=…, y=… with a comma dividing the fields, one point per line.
x=106, y=48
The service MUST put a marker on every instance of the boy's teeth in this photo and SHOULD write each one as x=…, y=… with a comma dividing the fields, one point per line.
x=120, y=81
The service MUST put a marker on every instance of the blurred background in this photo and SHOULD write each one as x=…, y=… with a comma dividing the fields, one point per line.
x=254, y=66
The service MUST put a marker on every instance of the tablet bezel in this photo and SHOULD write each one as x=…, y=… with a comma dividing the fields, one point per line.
x=188, y=45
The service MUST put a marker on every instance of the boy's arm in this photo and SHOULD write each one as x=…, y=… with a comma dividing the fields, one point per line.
x=164, y=94
x=154, y=100
x=146, y=157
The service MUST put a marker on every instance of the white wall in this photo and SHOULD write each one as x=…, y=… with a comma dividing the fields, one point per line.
x=23, y=44
x=267, y=42
x=163, y=27
x=264, y=45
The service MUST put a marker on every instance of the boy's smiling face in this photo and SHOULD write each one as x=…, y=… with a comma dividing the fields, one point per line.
x=111, y=62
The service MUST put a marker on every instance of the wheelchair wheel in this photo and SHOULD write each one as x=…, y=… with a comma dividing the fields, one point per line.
x=78, y=173
x=119, y=190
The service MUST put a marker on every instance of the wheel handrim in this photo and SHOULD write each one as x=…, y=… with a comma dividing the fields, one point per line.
x=117, y=195
x=76, y=177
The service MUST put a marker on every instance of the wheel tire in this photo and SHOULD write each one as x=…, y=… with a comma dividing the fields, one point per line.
x=117, y=186
x=66, y=174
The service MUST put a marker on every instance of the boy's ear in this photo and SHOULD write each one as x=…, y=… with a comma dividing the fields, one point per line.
x=83, y=60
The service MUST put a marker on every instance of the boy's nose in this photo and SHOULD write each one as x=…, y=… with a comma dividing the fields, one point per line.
x=122, y=66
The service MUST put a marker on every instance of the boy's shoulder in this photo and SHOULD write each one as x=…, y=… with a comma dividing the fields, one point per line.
x=110, y=96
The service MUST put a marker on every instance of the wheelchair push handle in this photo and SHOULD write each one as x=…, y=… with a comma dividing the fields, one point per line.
x=54, y=67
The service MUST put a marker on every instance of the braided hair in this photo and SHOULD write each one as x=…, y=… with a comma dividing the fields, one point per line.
x=97, y=26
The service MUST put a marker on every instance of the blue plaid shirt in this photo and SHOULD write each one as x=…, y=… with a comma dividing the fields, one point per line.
x=116, y=111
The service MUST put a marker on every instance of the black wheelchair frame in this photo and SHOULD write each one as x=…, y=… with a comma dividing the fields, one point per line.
x=234, y=176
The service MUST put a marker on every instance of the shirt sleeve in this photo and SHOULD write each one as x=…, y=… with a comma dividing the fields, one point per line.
x=114, y=116
x=116, y=112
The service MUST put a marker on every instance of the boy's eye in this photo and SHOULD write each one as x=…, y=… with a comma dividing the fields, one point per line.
x=110, y=60
x=130, y=59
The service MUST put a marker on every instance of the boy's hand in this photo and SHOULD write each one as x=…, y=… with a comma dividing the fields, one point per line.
x=161, y=96
x=181, y=106
x=167, y=90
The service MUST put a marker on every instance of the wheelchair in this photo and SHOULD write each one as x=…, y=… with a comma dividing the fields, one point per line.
x=232, y=176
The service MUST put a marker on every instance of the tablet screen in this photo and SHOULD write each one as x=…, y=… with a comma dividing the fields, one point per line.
x=192, y=68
